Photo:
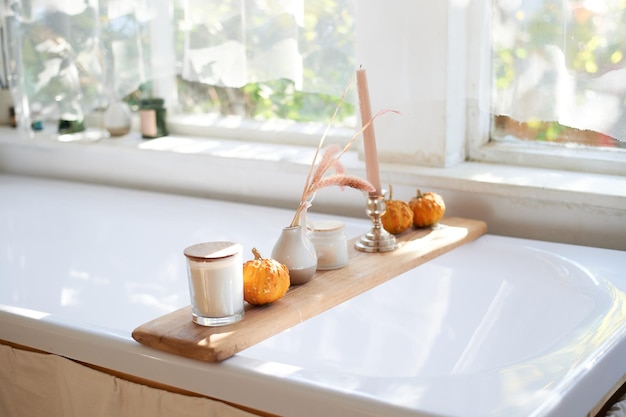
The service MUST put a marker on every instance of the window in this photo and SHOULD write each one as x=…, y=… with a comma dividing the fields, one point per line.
x=560, y=72
x=558, y=81
x=431, y=61
x=263, y=60
x=415, y=62
x=251, y=60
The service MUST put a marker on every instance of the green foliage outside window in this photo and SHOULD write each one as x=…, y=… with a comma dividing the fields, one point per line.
x=593, y=43
x=328, y=30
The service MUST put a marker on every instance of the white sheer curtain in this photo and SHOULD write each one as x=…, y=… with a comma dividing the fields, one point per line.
x=562, y=61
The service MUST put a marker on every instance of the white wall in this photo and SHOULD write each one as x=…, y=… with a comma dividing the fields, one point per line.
x=583, y=209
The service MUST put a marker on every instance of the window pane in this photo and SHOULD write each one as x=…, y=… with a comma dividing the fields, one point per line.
x=560, y=71
x=264, y=60
x=285, y=59
x=58, y=65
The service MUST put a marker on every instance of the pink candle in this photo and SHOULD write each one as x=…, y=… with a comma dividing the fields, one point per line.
x=369, y=138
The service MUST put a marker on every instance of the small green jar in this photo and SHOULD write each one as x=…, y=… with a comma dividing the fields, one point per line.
x=152, y=114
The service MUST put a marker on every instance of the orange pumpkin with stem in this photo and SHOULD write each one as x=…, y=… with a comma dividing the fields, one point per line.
x=428, y=208
x=398, y=215
x=265, y=280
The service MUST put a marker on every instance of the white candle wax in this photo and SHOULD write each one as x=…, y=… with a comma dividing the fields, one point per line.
x=369, y=138
x=216, y=282
x=329, y=239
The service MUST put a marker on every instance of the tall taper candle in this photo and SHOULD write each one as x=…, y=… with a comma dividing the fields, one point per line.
x=369, y=138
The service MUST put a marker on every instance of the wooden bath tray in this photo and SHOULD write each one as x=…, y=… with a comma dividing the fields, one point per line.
x=176, y=333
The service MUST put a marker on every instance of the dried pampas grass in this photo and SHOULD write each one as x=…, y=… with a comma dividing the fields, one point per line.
x=316, y=178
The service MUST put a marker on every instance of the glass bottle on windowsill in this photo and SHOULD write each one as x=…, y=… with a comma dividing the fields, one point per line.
x=72, y=119
x=152, y=114
x=117, y=120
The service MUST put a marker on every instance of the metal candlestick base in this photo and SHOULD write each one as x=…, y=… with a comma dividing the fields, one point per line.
x=377, y=239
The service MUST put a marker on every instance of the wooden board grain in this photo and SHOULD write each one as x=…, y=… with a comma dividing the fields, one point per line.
x=176, y=333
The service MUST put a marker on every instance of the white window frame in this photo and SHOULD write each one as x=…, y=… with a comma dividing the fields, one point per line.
x=431, y=106
x=528, y=154
x=450, y=103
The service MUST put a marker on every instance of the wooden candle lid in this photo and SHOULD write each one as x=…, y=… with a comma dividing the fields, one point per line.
x=212, y=251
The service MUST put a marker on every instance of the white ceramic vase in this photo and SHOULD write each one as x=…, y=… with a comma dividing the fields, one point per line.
x=294, y=249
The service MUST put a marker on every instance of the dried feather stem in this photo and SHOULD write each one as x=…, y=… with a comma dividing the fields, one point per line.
x=323, y=138
x=315, y=180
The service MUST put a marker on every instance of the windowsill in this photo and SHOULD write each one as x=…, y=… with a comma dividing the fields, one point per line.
x=570, y=207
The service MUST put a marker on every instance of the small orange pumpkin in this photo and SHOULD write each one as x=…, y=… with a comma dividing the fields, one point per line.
x=398, y=215
x=265, y=280
x=428, y=208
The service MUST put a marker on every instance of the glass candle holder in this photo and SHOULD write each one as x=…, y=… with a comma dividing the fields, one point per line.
x=215, y=272
x=330, y=242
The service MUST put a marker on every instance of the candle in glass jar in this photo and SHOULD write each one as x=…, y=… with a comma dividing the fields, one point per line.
x=329, y=239
x=369, y=137
x=215, y=272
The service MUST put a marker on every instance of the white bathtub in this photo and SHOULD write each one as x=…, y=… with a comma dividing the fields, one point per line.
x=500, y=326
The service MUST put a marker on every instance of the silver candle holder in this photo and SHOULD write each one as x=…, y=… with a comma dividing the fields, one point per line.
x=377, y=239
